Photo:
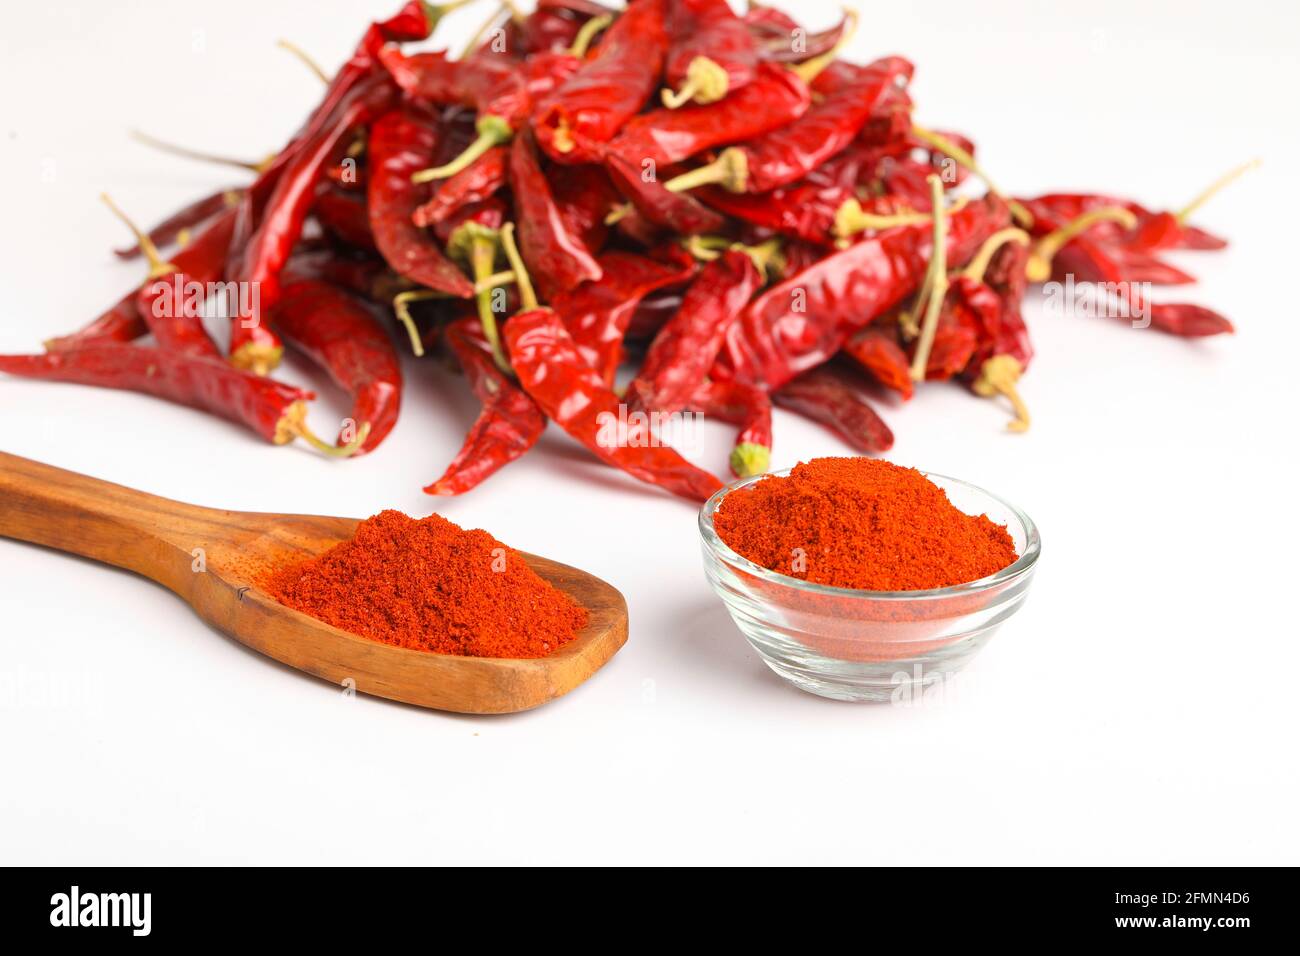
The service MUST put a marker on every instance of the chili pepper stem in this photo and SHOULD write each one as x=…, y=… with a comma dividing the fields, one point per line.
x=402, y=309
x=1038, y=268
x=306, y=59
x=976, y=268
x=587, y=33
x=618, y=214
x=492, y=131
x=527, y=297
x=477, y=39
x=998, y=376
x=749, y=459
x=851, y=219
x=730, y=170
x=294, y=425
x=967, y=161
x=706, y=82
x=937, y=281
x=187, y=153
x=1213, y=190
x=482, y=258
x=157, y=267
x=257, y=358
x=809, y=69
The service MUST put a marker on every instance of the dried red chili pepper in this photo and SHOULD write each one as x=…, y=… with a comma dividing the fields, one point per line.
x=790, y=152
x=201, y=261
x=712, y=52
x=803, y=321
x=345, y=216
x=401, y=142
x=829, y=396
x=747, y=407
x=486, y=176
x=509, y=424
x=1153, y=230
x=276, y=411
x=1090, y=261
x=552, y=370
x=585, y=196
x=555, y=254
x=597, y=314
x=341, y=336
x=877, y=350
x=179, y=224
x=575, y=122
x=776, y=97
x=253, y=344
x=683, y=351
x=679, y=212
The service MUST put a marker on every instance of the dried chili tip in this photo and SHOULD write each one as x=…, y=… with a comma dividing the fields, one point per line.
x=706, y=82
x=1038, y=267
x=749, y=459
x=999, y=376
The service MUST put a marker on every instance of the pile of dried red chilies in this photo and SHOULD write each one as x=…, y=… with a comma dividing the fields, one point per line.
x=763, y=220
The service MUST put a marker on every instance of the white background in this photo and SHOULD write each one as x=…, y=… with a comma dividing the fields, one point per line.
x=1140, y=709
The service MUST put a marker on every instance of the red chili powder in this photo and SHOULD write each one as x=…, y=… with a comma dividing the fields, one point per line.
x=861, y=523
x=431, y=585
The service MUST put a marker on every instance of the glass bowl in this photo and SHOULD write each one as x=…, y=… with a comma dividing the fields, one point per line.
x=870, y=645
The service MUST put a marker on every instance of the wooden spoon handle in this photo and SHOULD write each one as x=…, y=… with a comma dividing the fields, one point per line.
x=96, y=519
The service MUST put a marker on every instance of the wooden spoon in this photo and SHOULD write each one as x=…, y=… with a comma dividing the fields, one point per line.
x=211, y=559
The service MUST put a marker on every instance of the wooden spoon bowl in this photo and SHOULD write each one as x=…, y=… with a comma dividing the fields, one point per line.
x=212, y=559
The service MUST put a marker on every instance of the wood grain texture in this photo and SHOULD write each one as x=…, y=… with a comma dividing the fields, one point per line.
x=164, y=539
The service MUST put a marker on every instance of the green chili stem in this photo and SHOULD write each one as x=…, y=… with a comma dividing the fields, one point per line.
x=850, y=219
x=188, y=153
x=967, y=161
x=1212, y=190
x=937, y=283
x=157, y=266
x=730, y=170
x=527, y=297
x=706, y=82
x=492, y=131
x=484, y=30
x=998, y=376
x=587, y=33
x=306, y=59
x=482, y=258
x=979, y=265
x=401, y=308
x=1039, y=266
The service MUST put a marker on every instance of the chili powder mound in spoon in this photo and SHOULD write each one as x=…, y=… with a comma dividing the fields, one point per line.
x=861, y=523
x=430, y=585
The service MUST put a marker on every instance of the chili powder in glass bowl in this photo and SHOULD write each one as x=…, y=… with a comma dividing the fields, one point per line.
x=855, y=643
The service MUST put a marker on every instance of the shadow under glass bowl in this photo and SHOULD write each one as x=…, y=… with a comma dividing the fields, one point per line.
x=869, y=645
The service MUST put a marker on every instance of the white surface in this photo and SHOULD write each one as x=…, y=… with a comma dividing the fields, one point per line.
x=1139, y=710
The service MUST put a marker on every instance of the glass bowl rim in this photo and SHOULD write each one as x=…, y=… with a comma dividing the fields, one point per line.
x=1017, y=569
